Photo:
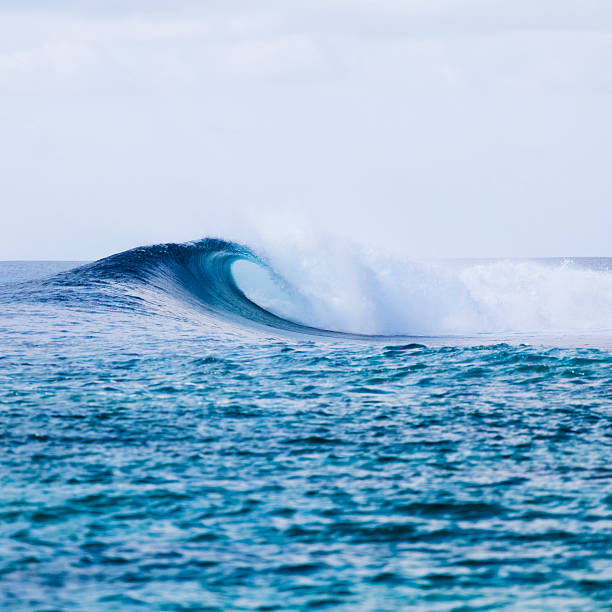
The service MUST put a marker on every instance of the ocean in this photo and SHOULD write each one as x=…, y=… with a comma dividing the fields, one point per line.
x=201, y=427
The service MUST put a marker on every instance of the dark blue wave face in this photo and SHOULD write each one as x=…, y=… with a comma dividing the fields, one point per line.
x=196, y=274
x=168, y=444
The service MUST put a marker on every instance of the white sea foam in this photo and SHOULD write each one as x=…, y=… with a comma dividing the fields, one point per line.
x=342, y=287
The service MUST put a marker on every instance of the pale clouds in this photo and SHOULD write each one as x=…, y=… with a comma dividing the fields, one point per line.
x=482, y=123
x=309, y=39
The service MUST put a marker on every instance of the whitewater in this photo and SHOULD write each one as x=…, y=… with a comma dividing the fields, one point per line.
x=221, y=426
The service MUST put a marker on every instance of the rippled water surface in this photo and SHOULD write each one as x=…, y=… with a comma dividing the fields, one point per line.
x=152, y=458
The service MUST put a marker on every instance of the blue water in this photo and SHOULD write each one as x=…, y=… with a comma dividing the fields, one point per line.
x=168, y=444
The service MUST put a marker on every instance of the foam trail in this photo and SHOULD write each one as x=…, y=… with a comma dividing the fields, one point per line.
x=355, y=290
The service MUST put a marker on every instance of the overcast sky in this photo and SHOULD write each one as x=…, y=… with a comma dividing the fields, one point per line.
x=437, y=127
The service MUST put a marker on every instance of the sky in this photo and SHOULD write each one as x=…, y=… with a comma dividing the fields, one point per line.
x=438, y=128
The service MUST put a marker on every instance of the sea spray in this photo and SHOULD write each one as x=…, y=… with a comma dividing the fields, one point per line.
x=344, y=287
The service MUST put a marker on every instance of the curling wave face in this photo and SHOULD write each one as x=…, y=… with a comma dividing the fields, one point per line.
x=198, y=274
x=190, y=279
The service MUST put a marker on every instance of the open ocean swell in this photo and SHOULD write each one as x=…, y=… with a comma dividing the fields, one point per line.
x=181, y=434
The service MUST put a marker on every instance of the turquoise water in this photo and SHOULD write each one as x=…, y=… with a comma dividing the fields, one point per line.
x=167, y=444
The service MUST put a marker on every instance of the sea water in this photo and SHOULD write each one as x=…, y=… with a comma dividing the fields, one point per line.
x=183, y=428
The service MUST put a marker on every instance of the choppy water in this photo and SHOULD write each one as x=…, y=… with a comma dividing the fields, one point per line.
x=167, y=444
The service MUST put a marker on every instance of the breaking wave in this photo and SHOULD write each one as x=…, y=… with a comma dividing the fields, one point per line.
x=331, y=291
